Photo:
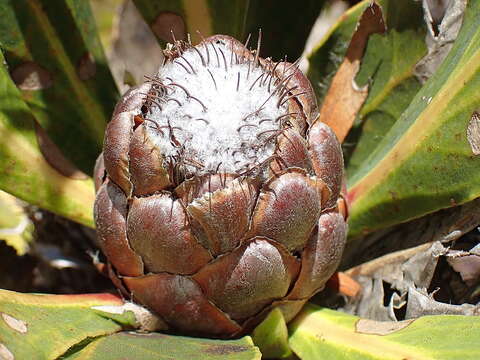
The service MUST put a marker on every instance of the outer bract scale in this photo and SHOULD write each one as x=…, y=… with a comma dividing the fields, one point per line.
x=219, y=192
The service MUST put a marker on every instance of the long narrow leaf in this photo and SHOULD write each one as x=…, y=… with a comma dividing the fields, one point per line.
x=165, y=347
x=388, y=69
x=87, y=326
x=46, y=326
x=56, y=59
x=323, y=334
x=428, y=160
x=24, y=172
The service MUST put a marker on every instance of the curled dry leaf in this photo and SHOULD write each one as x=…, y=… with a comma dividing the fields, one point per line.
x=344, y=98
x=420, y=303
x=443, y=19
x=445, y=225
x=466, y=263
x=413, y=268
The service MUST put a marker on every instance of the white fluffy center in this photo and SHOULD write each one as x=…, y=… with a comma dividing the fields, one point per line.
x=216, y=114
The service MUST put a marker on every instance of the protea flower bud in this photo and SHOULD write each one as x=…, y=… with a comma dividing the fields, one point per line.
x=219, y=192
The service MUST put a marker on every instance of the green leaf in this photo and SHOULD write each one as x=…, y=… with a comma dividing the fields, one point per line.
x=24, y=172
x=76, y=327
x=271, y=336
x=319, y=333
x=46, y=326
x=285, y=25
x=15, y=227
x=154, y=346
x=425, y=162
x=55, y=57
x=184, y=17
x=327, y=55
x=388, y=68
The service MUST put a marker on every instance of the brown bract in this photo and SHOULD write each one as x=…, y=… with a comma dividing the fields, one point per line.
x=212, y=253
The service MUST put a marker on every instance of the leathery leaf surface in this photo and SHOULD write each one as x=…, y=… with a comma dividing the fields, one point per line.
x=320, y=333
x=271, y=336
x=155, y=346
x=56, y=59
x=83, y=327
x=15, y=227
x=24, y=172
x=387, y=68
x=328, y=53
x=426, y=161
x=46, y=326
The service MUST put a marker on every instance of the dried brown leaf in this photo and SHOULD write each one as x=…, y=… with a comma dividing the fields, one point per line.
x=344, y=98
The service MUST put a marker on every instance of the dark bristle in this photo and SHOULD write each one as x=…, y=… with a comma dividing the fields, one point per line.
x=245, y=125
x=216, y=54
x=202, y=119
x=282, y=85
x=294, y=65
x=155, y=126
x=175, y=100
x=188, y=62
x=258, y=78
x=259, y=44
x=247, y=41
x=265, y=120
x=208, y=54
x=276, y=131
x=197, y=100
x=183, y=66
x=291, y=97
x=200, y=55
x=204, y=44
x=285, y=115
x=173, y=37
x=180, y=87
x=224, y=59
x=213, y=79
x=273, y=74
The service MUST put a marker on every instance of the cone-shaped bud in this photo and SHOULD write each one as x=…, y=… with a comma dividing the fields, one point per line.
x=219, y=191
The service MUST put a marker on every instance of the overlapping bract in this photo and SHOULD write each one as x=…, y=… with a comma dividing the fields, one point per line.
x=213, y=253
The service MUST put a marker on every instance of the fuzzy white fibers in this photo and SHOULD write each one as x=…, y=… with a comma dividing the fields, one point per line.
x=216, y=116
